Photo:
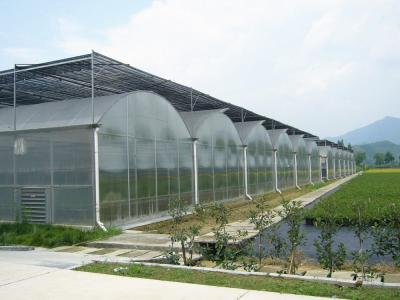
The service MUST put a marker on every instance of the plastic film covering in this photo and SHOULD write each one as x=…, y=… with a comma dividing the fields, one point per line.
x=344, y=163
x=260, y=155
x=145, y=158
x=313, y=151
x=285, y=158
x=331, y=166
x=57, y=161
x=300, y=149
x=219, y=155
x=338, y=162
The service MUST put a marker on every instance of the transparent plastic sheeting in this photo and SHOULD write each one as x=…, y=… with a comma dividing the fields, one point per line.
x=285, y=158
x=313, y=151
x=219, y=157
x=145, y=158
x=60, y=161
x=260, y=154
x=303, y=169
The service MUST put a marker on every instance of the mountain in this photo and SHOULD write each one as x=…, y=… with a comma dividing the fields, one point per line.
x=378, y=147
x=386, y=129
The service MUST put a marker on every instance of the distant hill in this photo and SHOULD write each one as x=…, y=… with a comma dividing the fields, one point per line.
x=386, y=129
x=382, y=147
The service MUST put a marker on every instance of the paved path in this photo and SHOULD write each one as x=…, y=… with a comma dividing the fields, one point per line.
x=45, y=275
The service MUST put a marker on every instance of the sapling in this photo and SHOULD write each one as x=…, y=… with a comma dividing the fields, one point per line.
x=293, y=213
x=361, y=227
x=262, y=218
x=329, y=258
x=184, y=235
x=386, y=234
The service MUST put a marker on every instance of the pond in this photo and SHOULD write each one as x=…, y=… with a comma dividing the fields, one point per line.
x=345, y=235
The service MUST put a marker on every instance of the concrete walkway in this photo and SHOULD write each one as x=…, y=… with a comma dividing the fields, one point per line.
x=45, y=275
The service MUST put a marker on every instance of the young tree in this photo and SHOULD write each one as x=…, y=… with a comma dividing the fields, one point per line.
x=361, y=227
x=293, y=213
x=262, y=218
x=379, y=158
x=329, y=258
x=226, y=254
x=349, y=146
x=386, y=234
x=184, y=235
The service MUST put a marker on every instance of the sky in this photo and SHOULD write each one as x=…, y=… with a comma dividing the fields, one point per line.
x=325, y=67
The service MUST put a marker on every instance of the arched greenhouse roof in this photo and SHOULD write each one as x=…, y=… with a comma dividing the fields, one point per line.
x=246, y=129
x=297, y=142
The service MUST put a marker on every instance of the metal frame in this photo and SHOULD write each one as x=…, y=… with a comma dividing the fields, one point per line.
x=94, y=74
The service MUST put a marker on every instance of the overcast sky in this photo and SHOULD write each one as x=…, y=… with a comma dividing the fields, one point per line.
x=322, y=66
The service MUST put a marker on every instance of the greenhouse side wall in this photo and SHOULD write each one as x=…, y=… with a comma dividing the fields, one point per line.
x=57, y=162
x=220, y=159
x=260, y=162
x=285, y=158
x=145, y=159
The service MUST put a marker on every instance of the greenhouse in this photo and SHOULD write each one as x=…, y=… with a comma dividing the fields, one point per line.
x=338, y=162
x=258, y=157
x=218, y=155
x=283, y=159
x=301, y=161
x=314, y=161
x=89, y=140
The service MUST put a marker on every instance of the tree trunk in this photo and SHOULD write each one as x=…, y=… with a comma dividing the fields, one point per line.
x=183, y=252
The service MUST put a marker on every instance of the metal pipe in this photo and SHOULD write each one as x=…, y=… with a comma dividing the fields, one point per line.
x=310, y=169
x=96, y=178
x=246, y=190
x=15, y=99
x=276, y=171
x=92, y=86
x=296, y=183
x=195, y=172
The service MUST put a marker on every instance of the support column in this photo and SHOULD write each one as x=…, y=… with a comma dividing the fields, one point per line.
x=296, y=183
x=276, y=171
x=310, y=168
x=195, y=172
x=327, y=168
x=246, y=186
x=97, y=178
x=334, y=168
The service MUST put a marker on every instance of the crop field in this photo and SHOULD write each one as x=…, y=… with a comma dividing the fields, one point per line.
x=375, y=195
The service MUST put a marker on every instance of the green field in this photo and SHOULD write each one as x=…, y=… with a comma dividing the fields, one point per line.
x=244, y=282
x=45, y=235
x=376, y=193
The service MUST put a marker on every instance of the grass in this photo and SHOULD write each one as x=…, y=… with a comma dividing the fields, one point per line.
x=238, y=210
x=43, y=235
x=279, y=285
x=376, y=190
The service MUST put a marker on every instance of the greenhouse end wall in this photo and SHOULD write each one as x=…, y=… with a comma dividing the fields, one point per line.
x=54, y=164
x=145, y=159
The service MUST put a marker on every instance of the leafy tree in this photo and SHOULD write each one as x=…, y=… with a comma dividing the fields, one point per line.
x=340, y=142
x=361, y=227
x=360, y=157
x=262, y=218
x=379, y=158
x=329, y=258
x=349, y=146
x=184, y=235
x=293, y=213
x=225, y=254
x=386, y=234
x=389, y=158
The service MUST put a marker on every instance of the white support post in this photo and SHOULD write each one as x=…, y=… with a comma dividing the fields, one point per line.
x=334, y=168
x=296, y=182
x=96, y=177
x=310, y=169
x=276, y=171
x=195, y=172
x=327, y=167
x=246, y=187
